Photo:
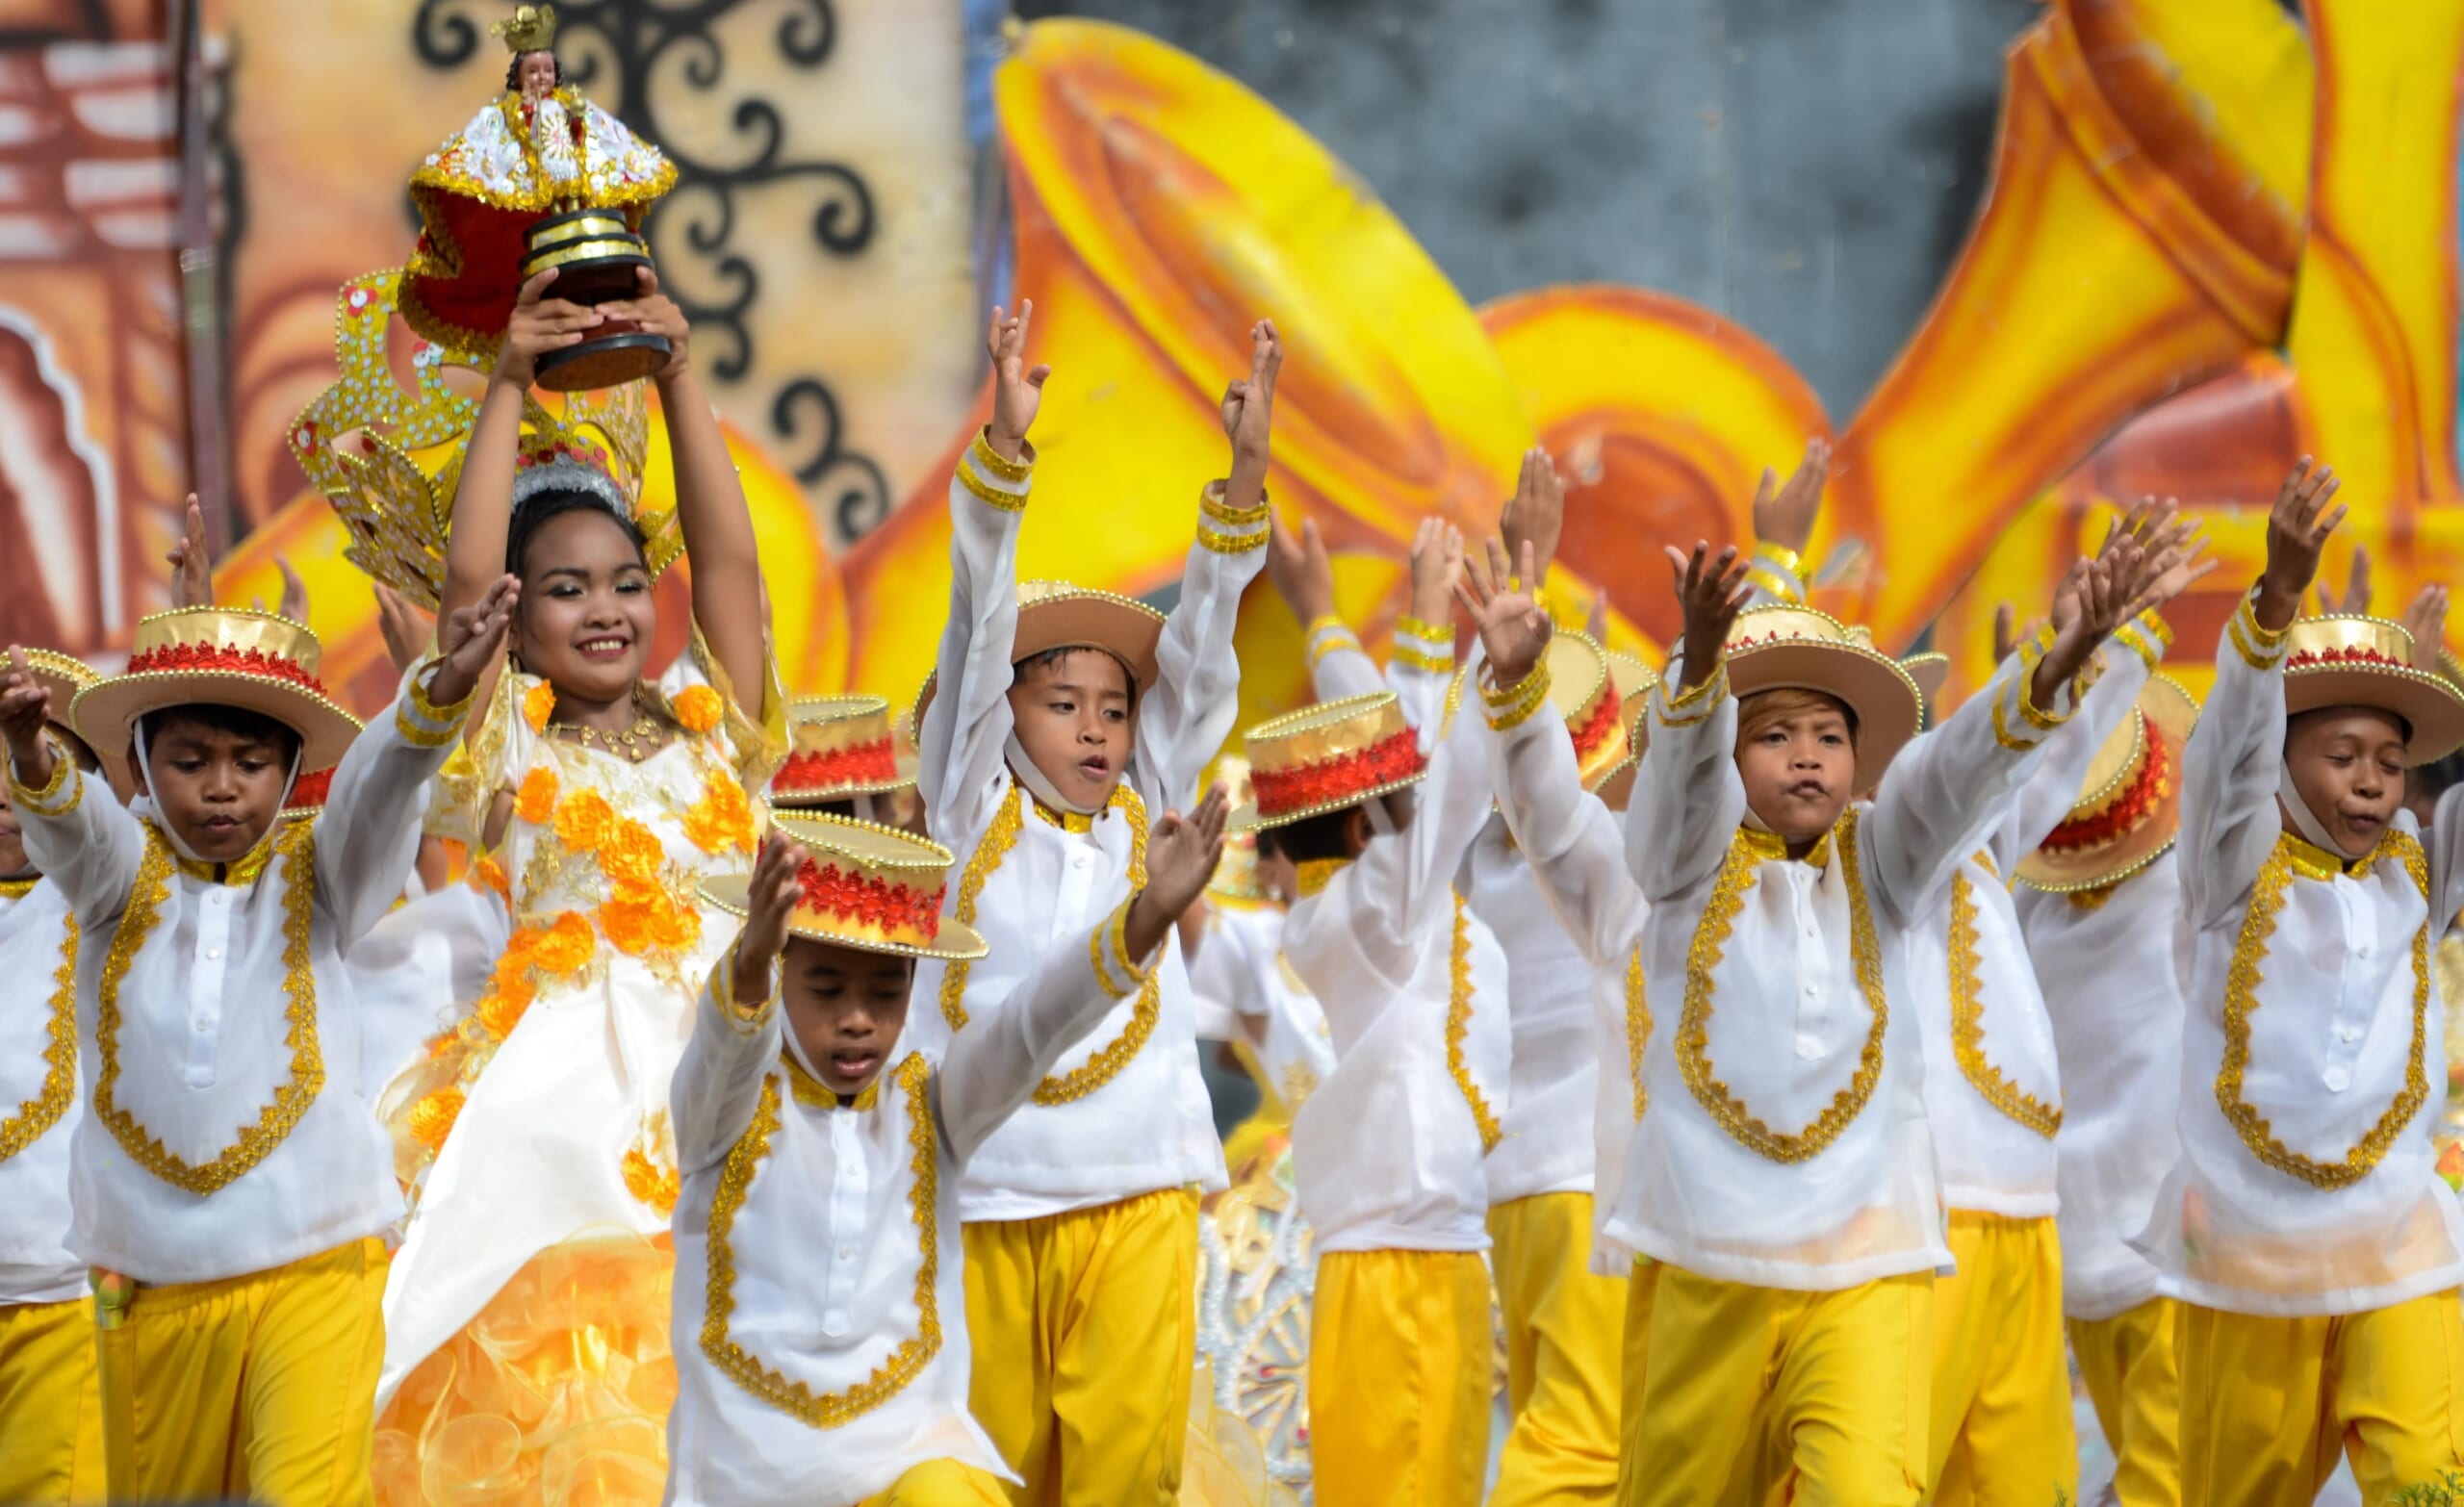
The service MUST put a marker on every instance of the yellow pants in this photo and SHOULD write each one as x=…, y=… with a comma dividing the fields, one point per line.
x=2130, y=1364
x=1399, y=1378
x=2268, y=1402
x=1564, y=1329
x=261, y=1387
x=940, y=1483
x=2000, y=1426
x=1084, y=1328
x=51, y=1415
x=1824, y=1394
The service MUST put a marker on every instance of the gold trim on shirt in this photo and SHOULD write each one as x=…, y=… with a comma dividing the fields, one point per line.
x=42, y=1111
x=1638, y=1027
x=1968, y=1024
x=1458, y=1025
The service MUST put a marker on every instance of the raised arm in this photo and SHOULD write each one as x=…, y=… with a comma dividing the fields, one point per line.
x=2231, y=769
x=960, y=739
x=1567, y=835
x=1182, y=723
x=79, y=837
x=736, y=1026
x=993, y=1066
x=1784, y=519
x=711, y=509
x=1688, y=798
x=367, y=836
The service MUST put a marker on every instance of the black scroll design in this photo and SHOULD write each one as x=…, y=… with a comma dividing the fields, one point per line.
x=618, y=50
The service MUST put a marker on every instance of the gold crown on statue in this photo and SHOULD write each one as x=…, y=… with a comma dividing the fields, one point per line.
x=531, y=28
x=357, y=441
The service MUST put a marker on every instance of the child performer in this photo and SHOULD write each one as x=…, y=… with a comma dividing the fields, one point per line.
x=2001, y=1426
x=1782, y=1173
x=2099, y=903
x=2305, y=1230
x=532, y=1285
x=822, y=1158
x=1058, y=719
x=229, y=1181
x=51, y=1422
x=1387, y=1152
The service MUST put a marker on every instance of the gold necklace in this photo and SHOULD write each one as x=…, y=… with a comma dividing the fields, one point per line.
x=635, y=743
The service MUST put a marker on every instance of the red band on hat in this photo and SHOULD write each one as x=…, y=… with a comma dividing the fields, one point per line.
x=210, y=656
x=1598, y=728
x=855, y=897
x=865, y=763
x=2350, y=655
x=311, y=789
x=1352, y=775
x=2124, y=815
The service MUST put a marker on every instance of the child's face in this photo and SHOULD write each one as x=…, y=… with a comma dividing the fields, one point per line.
x=217, y=790
x=2349, y=765
x=538, y=73
x=1073, y=719
x=587, y=617
x=846, y=1008
x=1798, y=766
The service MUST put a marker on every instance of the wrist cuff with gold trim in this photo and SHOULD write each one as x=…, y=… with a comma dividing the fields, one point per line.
x=49, y=799
x=1510, y=706
x=745, y=1018
x=2260, y=648
x=2146, y=635
x=1675, y=708
x=994, y=464
x=422, y=721
x=996, y=483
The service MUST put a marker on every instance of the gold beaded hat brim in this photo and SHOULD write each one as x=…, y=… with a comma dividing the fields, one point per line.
x=2138, y=767
x=64, y=677
x=219, y=656
x=1772, y=649
x=2359, y=661
x=865, y=886
x=1327, y=758
x=841, y=746
x=1930, y=673
x=1617, y=786
x=1582, y=691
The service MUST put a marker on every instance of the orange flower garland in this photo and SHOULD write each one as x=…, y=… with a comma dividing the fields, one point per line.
x=698, y=708
x=536, y=801
x=433, y=1117
x=489, y=874
x=723, y=818
x=538, y=704
x=584, y=820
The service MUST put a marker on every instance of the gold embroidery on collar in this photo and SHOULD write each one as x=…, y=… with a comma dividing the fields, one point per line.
x=1316, y=874
x=42, y=1111
x=1638, y=1027
x=825, y=1410
x=2312, y=861
x=814, y=1094
x=238, y=873
x=1067, y=821
x=1967, y=1025
x=998, y=839
x=20, y=889
x=1693, y=1027
x=1771, y=848
x=297, y=847
x=2240, y=989
x=1458, y=1025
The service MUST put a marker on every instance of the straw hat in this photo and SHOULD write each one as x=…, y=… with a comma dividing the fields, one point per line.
x=1772, y=648
x=1236, y=882
x=1583, y=692
x=1327, y=758
x=308, y=795
x=2129, y=808
x=221, y=656
x=2360, y=661
x=1634, y=681
x=1930, y=672
x=870, y=888
x=1057, y=615
x=842, y=746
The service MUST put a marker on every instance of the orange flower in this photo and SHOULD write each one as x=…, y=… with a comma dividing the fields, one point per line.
x=565, y=947
x=489, y=874
x=698, y=708
x=650, y=1183
x=630, y=854
x=502, y=1007
x=433, y=1117
x=722, y=819
x=536, y=801
x=582, y=820
x=642, y=920
x=2450, y=1164
x=538, y=704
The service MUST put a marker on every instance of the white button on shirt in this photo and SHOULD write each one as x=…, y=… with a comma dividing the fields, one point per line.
x=39, y=1098
x=207, y=1032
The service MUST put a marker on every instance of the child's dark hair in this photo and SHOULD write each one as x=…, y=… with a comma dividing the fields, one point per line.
x=238, y=721
x=513, y=68
x=1052, y=659
x=534, y=513
x=1310, y=838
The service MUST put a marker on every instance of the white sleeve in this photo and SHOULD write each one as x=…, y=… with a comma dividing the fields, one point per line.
x=1687, y=799
x=959, y=746
x=367, y=836
x=2231, y=770
x=2054, y=788
x=1183, y=721
x=1569, y=838
x=1938, y=797
x=992, y=1066
x=1412, y=872
x=80, y=837
x=718, y=1081
x=1773, y=579
x=1338, y=666
x=2447, y=863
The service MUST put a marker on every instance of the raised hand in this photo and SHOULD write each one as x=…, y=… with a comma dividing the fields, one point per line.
x=1249, y=406
x=2176, y=550
x=25, y=705
x=2111, y=591
x=470, y=641
x=1437, y=563
x=1711, y=592
x=1536, y=514
x=2006, y=633
x=1018, y=388
x=2426, y=621
x=1302, y=574
x=538, y=325
x=2356, y=597
x=1506, y=609
x=770, y=903
x=191, y=567
x=2298, y=528
x=1784, y=516
x=406, y=629
x=1181, y=856
x=657, y=314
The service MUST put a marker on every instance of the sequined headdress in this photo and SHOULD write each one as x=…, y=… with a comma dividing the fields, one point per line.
x=531, y=28
x=390, y=459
